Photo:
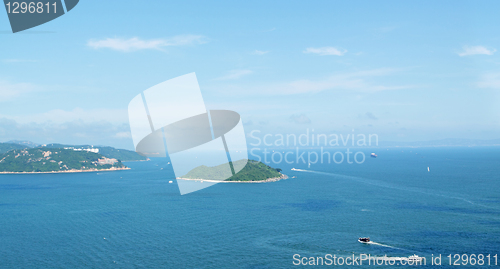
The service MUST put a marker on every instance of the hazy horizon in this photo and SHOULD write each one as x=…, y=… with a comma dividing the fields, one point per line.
x=404, y=71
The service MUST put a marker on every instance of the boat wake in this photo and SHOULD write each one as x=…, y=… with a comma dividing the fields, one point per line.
x=393, y=186
x=301, y=170
x=382, y=245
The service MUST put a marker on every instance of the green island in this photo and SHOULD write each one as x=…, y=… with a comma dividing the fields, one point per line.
x=27, y=157
x=55, y=160
x=254, y=171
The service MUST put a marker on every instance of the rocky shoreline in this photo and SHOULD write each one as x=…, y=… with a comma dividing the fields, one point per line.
x=68, y=171
x=283, y=176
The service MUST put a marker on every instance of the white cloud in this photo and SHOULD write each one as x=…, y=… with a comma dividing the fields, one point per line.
x=72, y=132
x=260, y=52
x=361, y=81
x=9, y=91
x=491, y=80
x=78, y=114
x=356, y=81
x=235, y=74
x=135, y=43
x=475, y=50
x=326, y=51
x=123, y=135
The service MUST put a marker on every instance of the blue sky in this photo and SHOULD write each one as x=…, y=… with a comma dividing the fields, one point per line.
x=407, y=71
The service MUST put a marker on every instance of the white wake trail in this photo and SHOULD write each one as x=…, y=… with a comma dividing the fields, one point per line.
x=392, y=186
x=382, y=245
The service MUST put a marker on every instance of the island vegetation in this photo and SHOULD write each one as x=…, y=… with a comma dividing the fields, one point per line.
x=50, y=160
x=109, y=152
x=254, y=171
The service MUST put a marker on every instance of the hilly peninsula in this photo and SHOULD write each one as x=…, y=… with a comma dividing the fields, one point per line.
x=254, y=171
x=108, y=152
x=54, y=160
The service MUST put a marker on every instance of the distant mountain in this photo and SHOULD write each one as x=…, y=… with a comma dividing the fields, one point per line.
x=36, y=160
x=26, y=143
x=4, y=147
x=108, y=152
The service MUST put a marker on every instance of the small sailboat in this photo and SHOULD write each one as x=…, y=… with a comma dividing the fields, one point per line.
x=428, y=170
x=309, y=165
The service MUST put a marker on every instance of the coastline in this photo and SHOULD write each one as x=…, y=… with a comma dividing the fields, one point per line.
x=135, y=161
x=67, y=171
x=274, y=179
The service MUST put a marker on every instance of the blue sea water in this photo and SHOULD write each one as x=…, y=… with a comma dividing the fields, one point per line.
x=136, y=219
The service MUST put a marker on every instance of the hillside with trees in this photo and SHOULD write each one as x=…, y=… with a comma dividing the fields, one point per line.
x=253, y=171
x=109, y=152
x=55, y=160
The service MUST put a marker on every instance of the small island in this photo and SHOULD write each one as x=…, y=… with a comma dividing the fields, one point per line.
x=56, y=160
x=253, y=172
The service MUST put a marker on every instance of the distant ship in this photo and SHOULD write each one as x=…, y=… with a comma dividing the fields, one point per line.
x=415, y=258
x=373, y=155
x=364, y=240
x=293, y=169
x=411, y=260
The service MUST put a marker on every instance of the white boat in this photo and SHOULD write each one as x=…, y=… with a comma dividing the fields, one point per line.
x=411, y=260
x=414, y=258
x=170, y=181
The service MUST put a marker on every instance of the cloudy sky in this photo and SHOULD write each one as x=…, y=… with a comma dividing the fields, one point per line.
x=407, y=71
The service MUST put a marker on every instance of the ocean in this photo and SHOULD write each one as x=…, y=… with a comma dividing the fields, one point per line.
x=136, y=219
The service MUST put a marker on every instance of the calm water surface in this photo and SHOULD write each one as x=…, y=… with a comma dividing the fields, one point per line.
x=135, y=218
